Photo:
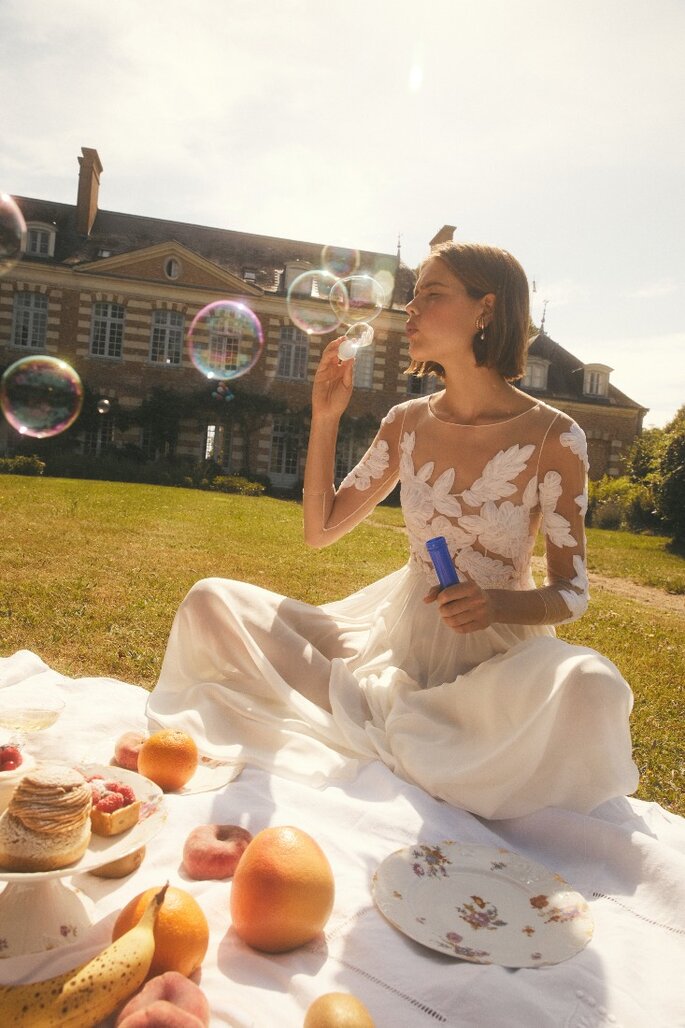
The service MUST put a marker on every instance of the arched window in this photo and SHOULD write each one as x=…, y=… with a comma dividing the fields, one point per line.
x=30, y=320
x=596, y=379
x=166, y=337
x=40, y=239
x=536, y=373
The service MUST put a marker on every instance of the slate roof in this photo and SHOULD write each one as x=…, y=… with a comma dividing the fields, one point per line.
x=565, y=377
x=234, y=251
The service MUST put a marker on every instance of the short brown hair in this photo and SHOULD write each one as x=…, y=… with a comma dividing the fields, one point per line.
x=488, y=269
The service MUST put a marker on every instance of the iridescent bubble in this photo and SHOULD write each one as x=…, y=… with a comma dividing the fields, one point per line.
x=339, y=261
x=41, y=396
x=356, y=338
x=308, y=302
x=12, y=233
x=357, y=298
x=225, y=340
x=103, y=406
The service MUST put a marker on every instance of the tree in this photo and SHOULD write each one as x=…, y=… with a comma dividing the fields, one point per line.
x=670, y=487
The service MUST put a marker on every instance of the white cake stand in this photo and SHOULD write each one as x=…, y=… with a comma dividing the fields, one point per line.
x=39, y=910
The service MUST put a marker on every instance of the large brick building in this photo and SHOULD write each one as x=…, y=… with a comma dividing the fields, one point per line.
x=113, y=294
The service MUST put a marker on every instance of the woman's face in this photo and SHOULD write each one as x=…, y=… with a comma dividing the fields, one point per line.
x=442, y=315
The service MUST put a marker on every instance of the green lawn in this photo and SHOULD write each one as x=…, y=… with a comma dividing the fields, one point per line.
x=94, y=571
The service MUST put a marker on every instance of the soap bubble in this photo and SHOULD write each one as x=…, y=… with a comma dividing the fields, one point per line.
x=356, y=338
x=103, y=406
x=225, y=340
x=308, y=302
x=357, y=298
x=339, y=261
x=12, y=233
x=41, y=396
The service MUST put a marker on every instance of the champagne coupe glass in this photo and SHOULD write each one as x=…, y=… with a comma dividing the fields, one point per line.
x=25, y=709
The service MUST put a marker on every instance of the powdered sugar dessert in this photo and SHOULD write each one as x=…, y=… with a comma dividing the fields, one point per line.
x=47, y=823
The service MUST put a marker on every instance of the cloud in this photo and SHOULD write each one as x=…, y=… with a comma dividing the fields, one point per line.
x=652, y=290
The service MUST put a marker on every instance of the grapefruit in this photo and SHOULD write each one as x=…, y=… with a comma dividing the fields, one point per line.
x=283, y=890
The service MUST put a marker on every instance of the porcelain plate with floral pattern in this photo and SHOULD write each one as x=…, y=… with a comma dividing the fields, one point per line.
x=482, y=904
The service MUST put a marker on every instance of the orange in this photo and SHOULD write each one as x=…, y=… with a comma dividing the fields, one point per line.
x=169, y=758
x=283, y=890
x=338, y=1010
x=181, y=930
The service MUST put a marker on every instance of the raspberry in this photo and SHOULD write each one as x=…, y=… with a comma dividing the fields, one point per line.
x=10, y=754
x=110, y=802
x=127, y=793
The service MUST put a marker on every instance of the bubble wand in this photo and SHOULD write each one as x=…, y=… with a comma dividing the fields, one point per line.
x=442, y=562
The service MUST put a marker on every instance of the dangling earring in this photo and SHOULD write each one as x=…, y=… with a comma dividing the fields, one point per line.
x=480, y=325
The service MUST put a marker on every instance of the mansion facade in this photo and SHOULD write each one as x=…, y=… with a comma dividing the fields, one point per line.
x=114, y=294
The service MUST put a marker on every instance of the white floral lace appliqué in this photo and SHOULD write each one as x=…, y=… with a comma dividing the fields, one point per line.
x=555, y=526
x=373, y=465
x=577, y=443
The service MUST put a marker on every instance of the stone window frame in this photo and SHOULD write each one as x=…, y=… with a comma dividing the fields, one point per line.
x=167, y=329
x=29, y=320
x=286, y=441
x=108, y=321
x=293, y=354
x=596, y=379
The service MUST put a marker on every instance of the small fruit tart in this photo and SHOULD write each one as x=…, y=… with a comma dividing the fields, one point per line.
x=115, y=807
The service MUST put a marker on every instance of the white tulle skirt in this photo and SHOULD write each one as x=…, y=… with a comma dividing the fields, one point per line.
x=500, y=722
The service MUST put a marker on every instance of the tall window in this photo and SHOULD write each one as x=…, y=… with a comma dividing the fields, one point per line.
x=293, y=351
x=99, y=438
x=166, y=339
x=30, y=320
x=107, y=331
x=363, y=368
x=285, y=446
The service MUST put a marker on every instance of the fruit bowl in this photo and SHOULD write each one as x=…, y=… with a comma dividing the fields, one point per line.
x=9, y=780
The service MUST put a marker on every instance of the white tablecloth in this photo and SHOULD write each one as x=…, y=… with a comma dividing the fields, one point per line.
x=627, y=858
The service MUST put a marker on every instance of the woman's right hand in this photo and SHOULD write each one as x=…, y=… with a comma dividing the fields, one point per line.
x=332, y=387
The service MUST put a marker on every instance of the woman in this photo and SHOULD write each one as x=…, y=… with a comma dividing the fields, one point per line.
x=465, y=691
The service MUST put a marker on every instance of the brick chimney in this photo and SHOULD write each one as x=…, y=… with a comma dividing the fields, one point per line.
x=445, y=235
x=90, y=170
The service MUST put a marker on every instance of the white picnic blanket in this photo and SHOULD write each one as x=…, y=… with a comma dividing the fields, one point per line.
x=627, y=858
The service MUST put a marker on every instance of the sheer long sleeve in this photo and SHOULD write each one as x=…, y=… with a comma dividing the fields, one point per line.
x=329, y=514
x=562, y=490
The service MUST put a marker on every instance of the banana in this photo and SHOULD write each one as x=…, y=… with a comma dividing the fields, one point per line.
x=87, y=994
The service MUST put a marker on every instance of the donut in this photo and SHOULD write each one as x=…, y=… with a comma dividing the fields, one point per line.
x=213, y=851
x=169, y=1000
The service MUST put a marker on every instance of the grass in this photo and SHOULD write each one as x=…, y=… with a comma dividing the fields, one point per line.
x=93, y=573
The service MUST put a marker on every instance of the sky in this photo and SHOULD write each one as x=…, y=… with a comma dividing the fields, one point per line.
x=552, y=128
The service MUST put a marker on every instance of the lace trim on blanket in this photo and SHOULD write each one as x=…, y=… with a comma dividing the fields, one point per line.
x=647, y=920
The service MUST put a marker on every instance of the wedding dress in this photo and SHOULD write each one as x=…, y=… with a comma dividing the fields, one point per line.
x=501, y=721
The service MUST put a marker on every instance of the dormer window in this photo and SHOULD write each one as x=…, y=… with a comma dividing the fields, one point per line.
x=596, y=379
x=536, y=373
x=40, y=240
x=250, y=275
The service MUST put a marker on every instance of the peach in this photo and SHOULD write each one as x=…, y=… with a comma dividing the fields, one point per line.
x=213, y=851
x=168, y=1001
x=127, y=748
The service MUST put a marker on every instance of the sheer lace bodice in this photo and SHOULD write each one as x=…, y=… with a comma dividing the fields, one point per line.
x=488, y=489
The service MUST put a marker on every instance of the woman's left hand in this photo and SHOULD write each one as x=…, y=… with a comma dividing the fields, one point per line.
x=464, y=607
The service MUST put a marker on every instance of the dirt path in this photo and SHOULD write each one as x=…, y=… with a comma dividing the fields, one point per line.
x=628, y=590
x=623, y=587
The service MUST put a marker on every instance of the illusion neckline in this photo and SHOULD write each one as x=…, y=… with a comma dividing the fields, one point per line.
x=487, y=424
